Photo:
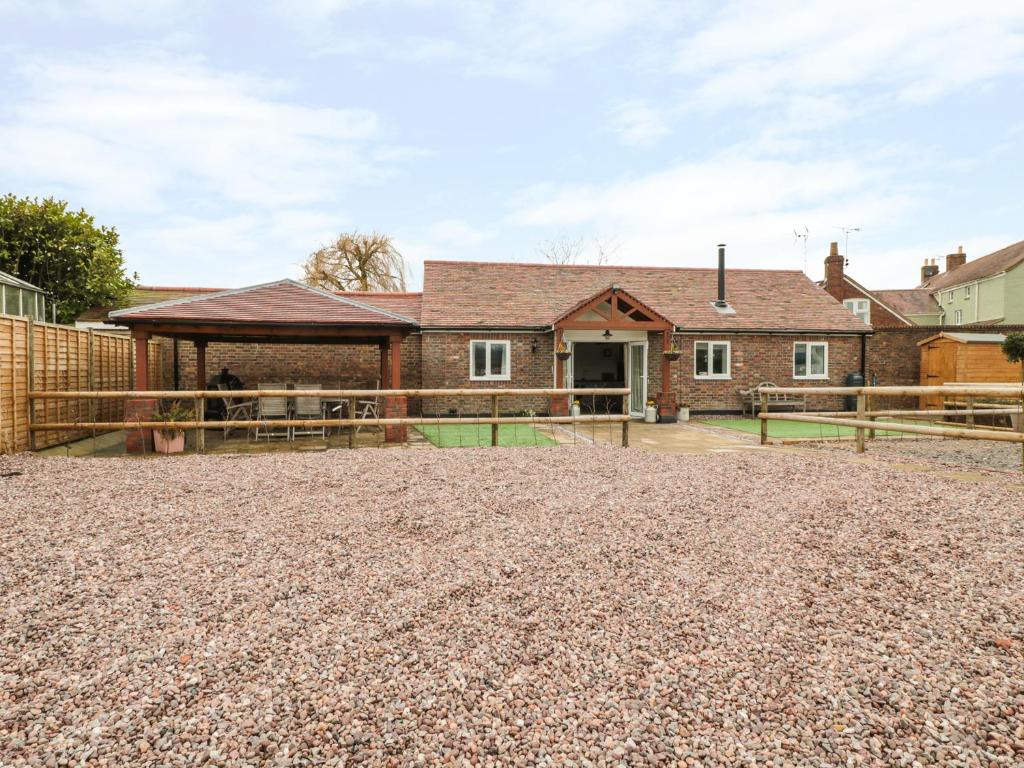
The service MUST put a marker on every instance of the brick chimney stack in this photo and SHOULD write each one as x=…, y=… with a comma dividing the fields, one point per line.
x=929, y=270
x=955, y=260
x=834, y=271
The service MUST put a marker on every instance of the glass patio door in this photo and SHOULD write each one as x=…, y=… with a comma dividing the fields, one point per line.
x=637, y=377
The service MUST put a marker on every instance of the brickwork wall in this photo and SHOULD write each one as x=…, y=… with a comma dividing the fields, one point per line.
x=446, y=366
x=755, y=359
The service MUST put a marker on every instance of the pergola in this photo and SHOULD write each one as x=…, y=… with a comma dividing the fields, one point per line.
x=282, y=312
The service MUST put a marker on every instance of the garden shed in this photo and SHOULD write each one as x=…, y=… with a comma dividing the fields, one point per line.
x=964, y=358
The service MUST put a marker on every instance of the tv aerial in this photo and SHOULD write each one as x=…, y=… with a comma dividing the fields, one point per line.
x=798, y=235
x=846, y=241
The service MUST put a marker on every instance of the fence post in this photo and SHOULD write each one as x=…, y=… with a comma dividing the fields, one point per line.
x=970, y=416
x=869, y=405
x=200, y=410
x=861, y=409
x=30, y=376
x=90, y=378
x=494, y=427
x=352, y=427
x=625, y=423
x=764, y=421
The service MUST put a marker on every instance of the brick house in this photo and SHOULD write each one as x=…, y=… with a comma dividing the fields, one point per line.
x=895, y=308
x=677, y=336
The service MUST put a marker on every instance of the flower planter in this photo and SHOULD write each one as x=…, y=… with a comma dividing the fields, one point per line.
x=671, y=356
x=173, y=442
x=563, y=355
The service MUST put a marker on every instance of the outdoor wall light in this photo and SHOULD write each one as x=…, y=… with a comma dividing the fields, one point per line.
x=533, y=347
x=606, y=334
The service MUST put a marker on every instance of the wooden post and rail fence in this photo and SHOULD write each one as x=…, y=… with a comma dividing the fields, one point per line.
x=864, y=421
x=199, y=398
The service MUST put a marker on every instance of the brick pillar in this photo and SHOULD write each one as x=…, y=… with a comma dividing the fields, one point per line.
x=395, y=407
x=139, y=440
x=668, y=400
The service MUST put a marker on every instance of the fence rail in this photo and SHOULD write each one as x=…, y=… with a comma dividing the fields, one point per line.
x=199, y=398
x=865, y=422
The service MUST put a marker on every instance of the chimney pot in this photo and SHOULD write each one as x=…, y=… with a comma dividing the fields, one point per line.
x=834, y=264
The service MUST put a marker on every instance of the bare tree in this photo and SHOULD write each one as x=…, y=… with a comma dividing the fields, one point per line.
x=577, y=250
x=357, y=262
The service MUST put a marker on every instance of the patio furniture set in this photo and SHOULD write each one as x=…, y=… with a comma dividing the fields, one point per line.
x=297, y=408
x=751, y=399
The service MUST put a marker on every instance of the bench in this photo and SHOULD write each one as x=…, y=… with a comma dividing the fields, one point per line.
x=751, y=398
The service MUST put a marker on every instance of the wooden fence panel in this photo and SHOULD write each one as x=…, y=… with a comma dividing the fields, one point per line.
x=58, y=358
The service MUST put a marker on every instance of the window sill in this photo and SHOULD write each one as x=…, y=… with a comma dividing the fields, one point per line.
x=810, y=378
x=490, y=378
x=712, y=378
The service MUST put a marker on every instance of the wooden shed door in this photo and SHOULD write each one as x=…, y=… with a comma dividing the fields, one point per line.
x=938, y=366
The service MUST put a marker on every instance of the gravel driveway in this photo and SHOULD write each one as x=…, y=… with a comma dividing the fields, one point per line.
x=508, y=606
x=955, y=454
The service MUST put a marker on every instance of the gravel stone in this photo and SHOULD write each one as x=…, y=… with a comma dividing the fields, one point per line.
x=951, y=453
x=568, y=606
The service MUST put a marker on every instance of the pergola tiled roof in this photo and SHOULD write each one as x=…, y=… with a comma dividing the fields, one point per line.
x=285, y=302
x=285, y=311
x=461, y=294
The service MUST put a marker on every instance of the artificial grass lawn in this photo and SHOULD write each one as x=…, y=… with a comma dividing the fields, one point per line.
x=473, y=435
x=783, y=429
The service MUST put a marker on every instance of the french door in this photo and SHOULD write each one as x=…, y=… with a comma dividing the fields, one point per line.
x=637, y=377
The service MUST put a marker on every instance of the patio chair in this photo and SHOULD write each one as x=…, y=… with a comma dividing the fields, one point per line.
x=235, y=409
x=271, y=409
x=368, y=409
x=308, y=408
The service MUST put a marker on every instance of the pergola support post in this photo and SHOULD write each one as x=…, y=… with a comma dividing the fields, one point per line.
x=394, y=407
x=668, y=402
x=200, y=403
x=140, y=409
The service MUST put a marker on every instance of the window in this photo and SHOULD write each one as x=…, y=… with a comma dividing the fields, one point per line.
x=711, y=360
x=861, y=308
x=958, y=317
x=810, y=360
x=488, y=360
x=967, y=291
x=949, y=297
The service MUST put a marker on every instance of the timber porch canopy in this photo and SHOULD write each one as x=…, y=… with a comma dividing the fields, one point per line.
x=282, y=312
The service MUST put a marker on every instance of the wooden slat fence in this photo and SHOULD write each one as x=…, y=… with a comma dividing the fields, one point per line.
x=63, y=359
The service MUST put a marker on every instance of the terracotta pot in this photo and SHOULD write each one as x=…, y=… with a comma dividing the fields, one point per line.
x=163, y=444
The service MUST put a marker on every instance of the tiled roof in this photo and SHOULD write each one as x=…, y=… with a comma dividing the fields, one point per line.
x=500, y=295
x=407, y=304
x=992, y=264
x=909, y=301
x=141, y=295
x=281, y=302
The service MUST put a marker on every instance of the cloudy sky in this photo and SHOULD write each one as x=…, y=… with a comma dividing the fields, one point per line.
x=225, y=141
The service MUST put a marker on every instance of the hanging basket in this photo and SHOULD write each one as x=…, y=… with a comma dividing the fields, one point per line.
x=672, y=354
x=563, y=355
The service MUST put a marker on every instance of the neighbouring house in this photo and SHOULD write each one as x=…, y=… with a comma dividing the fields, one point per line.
x=677, y=336
x=880, y=309
x=986, y=291
x=21, y=298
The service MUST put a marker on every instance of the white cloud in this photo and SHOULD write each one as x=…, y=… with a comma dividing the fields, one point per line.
x=677, y=216
x=457, y=233
x=639, y=123
x=147, y=131
x=763, y=51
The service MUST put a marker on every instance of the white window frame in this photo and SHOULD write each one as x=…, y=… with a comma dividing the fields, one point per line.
x=967, y=291
x=949, y=297
x=854, y=304
x=709, y=376
x=807, y=353
x=958, y=317
x=506, y=374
